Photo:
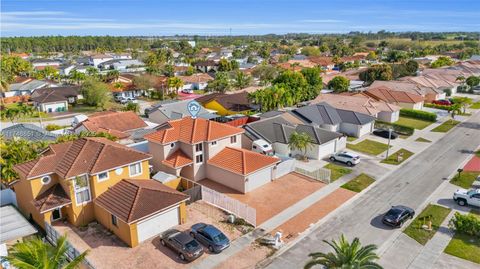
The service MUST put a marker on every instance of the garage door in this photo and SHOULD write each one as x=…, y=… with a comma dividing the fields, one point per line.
x=259, y=178
x=157, y=224
x=326, y=149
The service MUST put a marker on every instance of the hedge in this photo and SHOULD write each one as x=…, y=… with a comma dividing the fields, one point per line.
x=442, y=107
x=418, y=114
x=398, y=128
x=467, y=224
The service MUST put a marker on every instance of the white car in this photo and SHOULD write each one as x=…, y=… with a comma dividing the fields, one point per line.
x=345, y=157
x=467, y=197
x=187, y=91
x=476, y=183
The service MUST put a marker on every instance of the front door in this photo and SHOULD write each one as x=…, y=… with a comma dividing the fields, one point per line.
x=56, y=214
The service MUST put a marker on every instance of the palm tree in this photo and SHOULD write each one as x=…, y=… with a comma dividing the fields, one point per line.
x=112, y=75
x=174, y=82
x=300, y=141
x=36, y=254
x=345, y=256
x=241, y=80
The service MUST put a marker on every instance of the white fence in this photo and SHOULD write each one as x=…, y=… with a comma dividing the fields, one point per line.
x=320, y=174
x=230, y=205
x=285, y=167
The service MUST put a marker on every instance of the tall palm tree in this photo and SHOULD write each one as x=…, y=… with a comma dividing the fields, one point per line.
x=241, y=80
x=174, y=83
x=300, y=141
x=36, y=254
x=346, y=256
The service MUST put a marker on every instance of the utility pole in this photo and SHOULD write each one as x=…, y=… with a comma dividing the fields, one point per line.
x=40, y=116
x=389, y=138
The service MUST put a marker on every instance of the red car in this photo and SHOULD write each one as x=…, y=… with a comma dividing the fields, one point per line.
x=442, y=102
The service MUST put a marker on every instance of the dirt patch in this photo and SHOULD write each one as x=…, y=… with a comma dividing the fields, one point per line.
x=247, y=258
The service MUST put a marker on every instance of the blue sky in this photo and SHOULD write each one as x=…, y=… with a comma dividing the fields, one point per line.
x=215, y=17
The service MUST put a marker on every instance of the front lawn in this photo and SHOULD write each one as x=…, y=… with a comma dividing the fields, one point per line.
x=436, y=214
x=351, y=138
x=421, y=139
x=369, y=147
x=465, y=180
x=337, y=171
x=465, y=247
x=393, y=159
x=475, y=105
x=446, y=126
x=359, y=183
x=413, y=123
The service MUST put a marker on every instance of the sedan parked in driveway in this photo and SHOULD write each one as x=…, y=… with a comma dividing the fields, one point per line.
x=210, y=236
x=384, y=133
x=187, y=247
x=345, y=157
x=397, y=215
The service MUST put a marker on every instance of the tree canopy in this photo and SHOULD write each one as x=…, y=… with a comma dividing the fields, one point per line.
x=96, y=93
x=339, y=84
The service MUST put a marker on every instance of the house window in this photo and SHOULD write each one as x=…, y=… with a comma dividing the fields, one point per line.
x=198, y=147
x=82, y=189
x=233, y=139
x=135, y=169
x=214, y=143
x=114, y=221
x=102, y=176
x=172, y=145
x=199, y=158
x=46, y=180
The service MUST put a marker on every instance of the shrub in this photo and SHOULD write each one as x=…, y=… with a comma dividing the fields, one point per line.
x=53, y=127
x=398, y=128
x=467, y=224
x=442, y=107
x=418, y=114
x=448, y=92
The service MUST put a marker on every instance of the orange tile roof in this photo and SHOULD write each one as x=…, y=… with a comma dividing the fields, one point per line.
x=86, y=155
x=387, y=95
x=113, y=122
x=192, y=131
x=241, y=161
x=177, y=159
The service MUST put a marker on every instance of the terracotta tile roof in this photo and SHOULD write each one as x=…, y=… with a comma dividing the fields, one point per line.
x=125, y=86
x=191, y=131
x=52, y=198
x=358, y=103
x=196, y=78
x=133, y=199
x=115, y=123
x=387, y=95
x=321, y=60
x=177, y=159
x=241, y=161
x=86, y=155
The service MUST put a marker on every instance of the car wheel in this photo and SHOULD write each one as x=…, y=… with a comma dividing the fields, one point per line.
x=332, y=159
x=210, y=248
x=349, y=163
x=461, y=202
x=162, y=242
x=182, y=257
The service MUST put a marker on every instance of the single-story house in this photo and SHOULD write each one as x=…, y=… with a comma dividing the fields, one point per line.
x=206, y=66
x=399, y=98
x=28, y=132
x=56, y=99
x=138, y=209
x=325, y=116
x=277, y=130
x=227, y=104
x=196, y=81
x=26, y=86
x=165, y=111
x=428, y=93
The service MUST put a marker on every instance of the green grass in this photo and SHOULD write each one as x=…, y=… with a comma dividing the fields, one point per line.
x=337, y=171
x=446, y=126
x=475, y=105
x=436, y=214
x=393, y=159
x=465, y=246
x=465, y=180
x=421, y=139
x=369, y=147
x=359, y=183
x=351, y=138
x=83, y=109
x=413, y=123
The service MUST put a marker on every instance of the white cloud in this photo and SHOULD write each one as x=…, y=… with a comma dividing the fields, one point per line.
x=321, y=21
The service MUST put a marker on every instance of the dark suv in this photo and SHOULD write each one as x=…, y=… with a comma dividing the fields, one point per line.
x=397, y=215
x=210, y=236
x=188, y=248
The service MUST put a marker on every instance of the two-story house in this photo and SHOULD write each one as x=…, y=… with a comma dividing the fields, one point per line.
x=96, y=179
x=199, y=149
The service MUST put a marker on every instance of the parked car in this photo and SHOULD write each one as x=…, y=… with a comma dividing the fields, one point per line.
x=465, y=197
x=397, y=215
x=187, y=247
x=346, y=157
x=384, y=133
x=476, y=183
x=442, y=102
x=210, y=236
x=188, y=91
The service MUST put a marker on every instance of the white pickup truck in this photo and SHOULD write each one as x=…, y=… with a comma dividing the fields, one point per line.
x=467, y=197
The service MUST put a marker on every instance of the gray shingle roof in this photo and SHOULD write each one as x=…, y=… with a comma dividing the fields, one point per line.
x=27, y=131
x=323, y=113
x=178, y=110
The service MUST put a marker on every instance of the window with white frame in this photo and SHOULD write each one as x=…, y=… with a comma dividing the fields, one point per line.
x=102, y=176
x=82, y=189
x=172, y=145
x=135, y=169
x=198, y=147
x=214, y=143
x=46, y=180
x=199, y=158
x=233, y=139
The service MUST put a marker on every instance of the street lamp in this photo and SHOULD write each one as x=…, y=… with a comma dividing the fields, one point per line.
x=389, y=138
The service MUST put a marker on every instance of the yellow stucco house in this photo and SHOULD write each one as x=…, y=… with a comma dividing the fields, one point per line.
x=68, y=179
x=227, y=104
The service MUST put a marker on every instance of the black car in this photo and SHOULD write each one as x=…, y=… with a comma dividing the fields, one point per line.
x=187, y=247
x=384, y=133
x=397, y=215
x=210, y=236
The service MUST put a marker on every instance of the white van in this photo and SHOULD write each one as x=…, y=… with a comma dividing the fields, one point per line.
x=263, y=147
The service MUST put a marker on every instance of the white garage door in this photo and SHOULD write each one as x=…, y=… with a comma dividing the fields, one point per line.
x=259, y=178
x=326, y=149
x=157, y=224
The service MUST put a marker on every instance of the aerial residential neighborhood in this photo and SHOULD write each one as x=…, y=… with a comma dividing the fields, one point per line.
x=144, y=134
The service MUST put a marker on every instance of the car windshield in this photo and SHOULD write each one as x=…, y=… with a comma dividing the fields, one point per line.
x=191, y=245
x=219, y=237
x=394, y=212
